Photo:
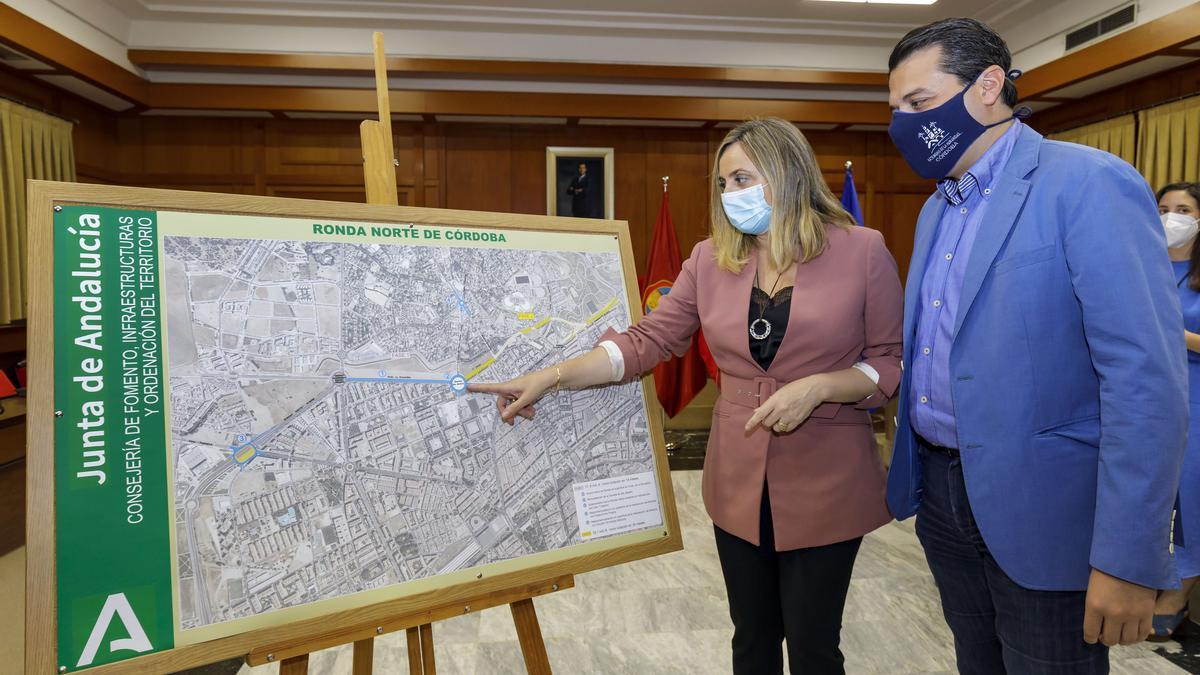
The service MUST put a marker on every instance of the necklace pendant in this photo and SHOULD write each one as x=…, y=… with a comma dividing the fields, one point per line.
x=760, y=333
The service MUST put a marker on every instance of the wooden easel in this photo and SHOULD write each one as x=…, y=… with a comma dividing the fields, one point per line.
x=379, y=173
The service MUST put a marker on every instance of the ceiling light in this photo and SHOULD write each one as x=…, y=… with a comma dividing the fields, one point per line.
x=884, y=2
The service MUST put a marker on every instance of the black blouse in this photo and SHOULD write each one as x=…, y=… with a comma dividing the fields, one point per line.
x=775, y=310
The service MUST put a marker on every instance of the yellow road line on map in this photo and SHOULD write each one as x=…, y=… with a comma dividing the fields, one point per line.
x=607, y=308
x=591, y=320
x=611, y=303
x=481, y=368
x=539, y=324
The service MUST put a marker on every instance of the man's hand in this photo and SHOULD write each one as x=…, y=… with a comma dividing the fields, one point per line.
x=1117, y=611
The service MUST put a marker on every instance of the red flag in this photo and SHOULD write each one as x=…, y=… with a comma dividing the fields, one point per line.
x=677, y=380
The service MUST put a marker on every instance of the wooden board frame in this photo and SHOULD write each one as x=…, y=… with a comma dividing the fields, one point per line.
x=41, y=582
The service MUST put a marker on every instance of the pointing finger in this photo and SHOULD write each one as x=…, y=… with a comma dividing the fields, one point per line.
x=513, y=408
x=759, y=413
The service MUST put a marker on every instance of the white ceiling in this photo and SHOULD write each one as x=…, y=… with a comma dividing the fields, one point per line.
x=785, y=33
x=763, y=33
x=434, y=83
x=792, y=17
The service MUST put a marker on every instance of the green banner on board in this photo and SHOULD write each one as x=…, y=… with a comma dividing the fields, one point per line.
x=112, y=505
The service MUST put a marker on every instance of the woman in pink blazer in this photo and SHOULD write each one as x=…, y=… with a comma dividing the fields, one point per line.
x=802, y=312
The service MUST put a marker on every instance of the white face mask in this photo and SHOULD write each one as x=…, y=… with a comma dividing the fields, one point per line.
x=748, y=209
x=1180, y=229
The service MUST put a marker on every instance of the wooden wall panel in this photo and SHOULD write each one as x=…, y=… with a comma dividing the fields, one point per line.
x=630, y=182
x=527, y=152
x=892, y=196
x=482, y=167
x=478, y=168
x=170, y=146
x=313, y=147
x=433, y=182
x=685, y=158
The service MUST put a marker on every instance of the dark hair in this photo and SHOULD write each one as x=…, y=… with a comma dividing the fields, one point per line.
x=968, y=49
x=1193, y=191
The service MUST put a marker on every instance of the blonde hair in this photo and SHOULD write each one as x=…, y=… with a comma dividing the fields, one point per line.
x=802, y=204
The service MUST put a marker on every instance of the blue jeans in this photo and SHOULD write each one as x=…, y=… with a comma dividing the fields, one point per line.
x=998, y=626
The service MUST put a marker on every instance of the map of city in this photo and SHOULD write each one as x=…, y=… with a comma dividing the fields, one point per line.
x=324, y=443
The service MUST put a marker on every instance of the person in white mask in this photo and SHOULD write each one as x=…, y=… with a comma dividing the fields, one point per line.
x=1179, y=208
x=801, y=309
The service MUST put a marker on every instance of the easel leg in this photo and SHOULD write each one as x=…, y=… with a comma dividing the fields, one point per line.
x=414, y=652
x=364, y=656
x=297, y=665
x=530, y=635
x=427, y=649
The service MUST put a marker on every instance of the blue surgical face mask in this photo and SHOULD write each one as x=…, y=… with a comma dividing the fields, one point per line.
x=932, y=141
x=748, y=209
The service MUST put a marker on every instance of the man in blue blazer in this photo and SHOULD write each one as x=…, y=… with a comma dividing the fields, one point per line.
x=1043, y=407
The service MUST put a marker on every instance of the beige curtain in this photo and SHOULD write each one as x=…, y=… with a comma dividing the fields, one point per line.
x=1116, y=136
x=33, y=145
x=1169, y=142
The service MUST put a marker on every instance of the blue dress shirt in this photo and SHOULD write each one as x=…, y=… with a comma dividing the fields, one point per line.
x=932, y=408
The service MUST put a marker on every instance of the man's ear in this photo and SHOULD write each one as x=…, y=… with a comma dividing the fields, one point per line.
x=991, y=84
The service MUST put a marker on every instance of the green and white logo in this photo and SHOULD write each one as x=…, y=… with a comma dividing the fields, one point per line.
x=116, y=606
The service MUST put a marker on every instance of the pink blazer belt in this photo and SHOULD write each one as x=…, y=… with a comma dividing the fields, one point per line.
x=754, y=391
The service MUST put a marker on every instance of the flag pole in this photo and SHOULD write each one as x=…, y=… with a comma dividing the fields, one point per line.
x=662, y=412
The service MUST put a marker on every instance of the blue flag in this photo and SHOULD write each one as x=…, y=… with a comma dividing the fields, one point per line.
x=850, y=196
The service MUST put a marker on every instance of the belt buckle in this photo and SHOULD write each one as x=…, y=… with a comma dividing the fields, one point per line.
x=766, y=387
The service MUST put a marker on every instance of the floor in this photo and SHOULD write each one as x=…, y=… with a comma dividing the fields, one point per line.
x=669, y=615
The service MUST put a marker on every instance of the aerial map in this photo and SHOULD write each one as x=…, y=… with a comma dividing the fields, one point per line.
x=324, y=442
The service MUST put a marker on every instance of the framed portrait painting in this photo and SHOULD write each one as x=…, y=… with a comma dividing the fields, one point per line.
x=579, y=182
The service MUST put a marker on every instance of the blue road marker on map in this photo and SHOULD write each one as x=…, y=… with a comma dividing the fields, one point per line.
x=460, y=301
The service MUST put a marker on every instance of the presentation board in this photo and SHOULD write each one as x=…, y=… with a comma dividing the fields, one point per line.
x=250, y=418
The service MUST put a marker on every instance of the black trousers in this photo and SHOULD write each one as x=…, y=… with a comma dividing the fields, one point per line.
x=795, y=595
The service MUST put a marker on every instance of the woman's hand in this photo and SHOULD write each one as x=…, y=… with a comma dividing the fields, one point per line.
x=790, y=405
x=516, y=396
